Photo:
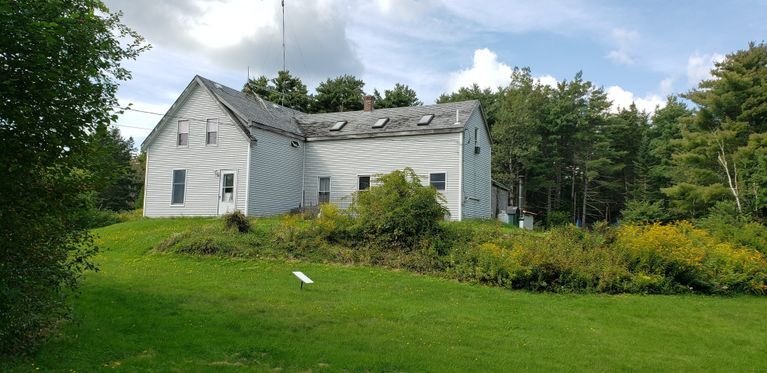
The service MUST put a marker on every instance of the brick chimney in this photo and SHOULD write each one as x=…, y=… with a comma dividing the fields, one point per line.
x=369, y=103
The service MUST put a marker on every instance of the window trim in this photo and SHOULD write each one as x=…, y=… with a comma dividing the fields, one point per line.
x=439, y=172
x=370, y=181
x=178, y=132
x=172, y=184
x=319, y=185
x=218, y=126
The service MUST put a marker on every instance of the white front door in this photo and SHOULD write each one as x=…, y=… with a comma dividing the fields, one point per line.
x=226, y=193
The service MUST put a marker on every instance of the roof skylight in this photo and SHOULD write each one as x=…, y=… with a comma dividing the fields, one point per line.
x=426, y=119
x=338, y=126
x=381, y=122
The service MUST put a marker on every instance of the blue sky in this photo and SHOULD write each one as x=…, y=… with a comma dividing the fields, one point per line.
x=639, y=51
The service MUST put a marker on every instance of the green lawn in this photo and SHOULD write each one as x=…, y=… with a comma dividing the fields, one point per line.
x=168, y=312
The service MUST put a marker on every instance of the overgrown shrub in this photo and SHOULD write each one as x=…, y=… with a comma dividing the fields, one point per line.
x=399, y=212
x=683, y=258
x=738, y=230
x=237, y=220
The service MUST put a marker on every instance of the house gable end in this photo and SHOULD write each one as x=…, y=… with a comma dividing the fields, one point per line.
x=177, y=105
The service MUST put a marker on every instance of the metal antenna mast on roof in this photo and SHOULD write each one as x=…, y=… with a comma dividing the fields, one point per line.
x=282, y=95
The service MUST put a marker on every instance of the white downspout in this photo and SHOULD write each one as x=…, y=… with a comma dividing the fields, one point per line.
x=146, y=179
x=303, y=178
x=247, y=177
x=460, y=177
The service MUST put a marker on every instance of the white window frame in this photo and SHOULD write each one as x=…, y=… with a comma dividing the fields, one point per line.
x=172, y=184
x=439, y=172
x=372, y=179
x=218, y=127
x=178, y=132
x=319, y=185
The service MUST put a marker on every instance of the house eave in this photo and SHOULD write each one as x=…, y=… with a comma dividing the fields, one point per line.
x=387, y=134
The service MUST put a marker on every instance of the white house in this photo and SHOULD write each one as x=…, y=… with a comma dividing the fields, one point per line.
x=217, y=150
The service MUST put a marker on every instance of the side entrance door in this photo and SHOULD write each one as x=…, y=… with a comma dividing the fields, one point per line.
x=226, y=192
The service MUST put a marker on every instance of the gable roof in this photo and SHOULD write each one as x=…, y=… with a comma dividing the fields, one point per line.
x=255, y=109
x=448, y=117
x=249, y=111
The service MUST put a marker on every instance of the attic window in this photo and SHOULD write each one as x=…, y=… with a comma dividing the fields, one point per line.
x=381, y=122
x=426, y=119
x=338, y=126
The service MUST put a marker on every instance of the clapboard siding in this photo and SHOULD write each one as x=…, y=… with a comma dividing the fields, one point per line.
x=200, y=161
x=276, y=174
x=344, y=160
x=477, y=183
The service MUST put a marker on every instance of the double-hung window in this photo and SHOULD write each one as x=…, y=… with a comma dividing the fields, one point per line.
x=363, y=182
x=324, y=190
x=211, y=132
x=178, y=187
x=437, y=180
x=183, y=133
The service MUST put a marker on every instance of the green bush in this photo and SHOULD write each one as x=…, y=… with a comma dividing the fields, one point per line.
x=237, y=220
x=399, y=212
x=740, y=231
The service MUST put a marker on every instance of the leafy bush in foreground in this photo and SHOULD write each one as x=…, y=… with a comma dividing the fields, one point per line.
x=399, y=212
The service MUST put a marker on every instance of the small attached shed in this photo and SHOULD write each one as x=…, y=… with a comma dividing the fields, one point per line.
x=500, y=198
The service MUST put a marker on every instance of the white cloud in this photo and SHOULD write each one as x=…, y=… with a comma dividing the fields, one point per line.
x=699, y=66
x=625, y=41
x=622, y=99
x=225, y=24
x=487, y=72
x=547, y=80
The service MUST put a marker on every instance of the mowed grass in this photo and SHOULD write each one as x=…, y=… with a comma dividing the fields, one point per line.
x=147, y=311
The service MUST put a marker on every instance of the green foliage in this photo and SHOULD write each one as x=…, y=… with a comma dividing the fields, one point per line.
x=488, y=98
x=680, y=258
x=62, y=61
x=238, y=221
x=722, y=147
x=343, y=93
x=284, y=89
x=642, y=212
x=399, y=96
x=110, y=162
x=400, y=211
x=724, y=224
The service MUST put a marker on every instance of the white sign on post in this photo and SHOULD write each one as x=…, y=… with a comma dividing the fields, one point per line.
x=303, y=278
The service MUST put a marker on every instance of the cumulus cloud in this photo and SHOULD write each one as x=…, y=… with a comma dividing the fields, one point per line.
x=235, y=34
x=699, y=66
x=622, y=99
x=547, y=80
x=487, y=72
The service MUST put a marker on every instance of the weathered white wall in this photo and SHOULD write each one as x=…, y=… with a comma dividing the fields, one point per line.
x=276, y=174
x=201, y=161
x=476, y=170
x=343, y=160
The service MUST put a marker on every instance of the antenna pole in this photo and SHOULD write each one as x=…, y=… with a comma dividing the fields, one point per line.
x=282, y=96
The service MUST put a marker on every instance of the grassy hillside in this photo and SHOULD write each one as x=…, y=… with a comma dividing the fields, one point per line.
x=170, y=312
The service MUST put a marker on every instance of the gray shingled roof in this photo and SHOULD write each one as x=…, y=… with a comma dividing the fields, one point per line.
x=359, y=123
x=403, y=119
x=255, y=109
